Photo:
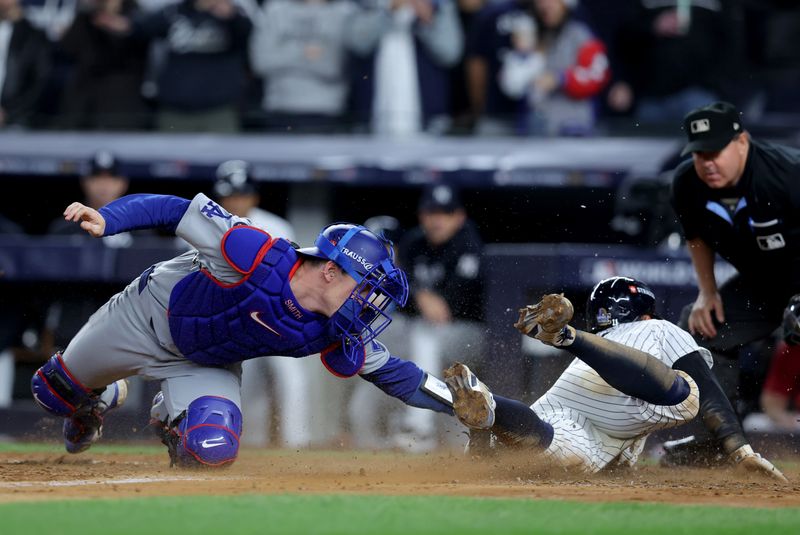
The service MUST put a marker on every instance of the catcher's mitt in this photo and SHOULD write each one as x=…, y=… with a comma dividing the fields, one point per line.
x=548, y=320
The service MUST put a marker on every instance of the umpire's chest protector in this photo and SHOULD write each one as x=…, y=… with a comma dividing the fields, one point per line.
x=215, y=324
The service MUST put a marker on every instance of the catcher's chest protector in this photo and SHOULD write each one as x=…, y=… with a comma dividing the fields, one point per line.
x=215, y=324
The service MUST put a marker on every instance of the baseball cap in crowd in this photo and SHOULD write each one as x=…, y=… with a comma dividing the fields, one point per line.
x=439, y=198
x=104, y=162
x=711, y=128
x=233, y=177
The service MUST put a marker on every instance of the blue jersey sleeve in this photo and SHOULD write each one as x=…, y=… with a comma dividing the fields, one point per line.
x=143, y=210
x=402, y=379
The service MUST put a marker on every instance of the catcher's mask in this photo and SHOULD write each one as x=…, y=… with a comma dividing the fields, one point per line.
x=380, y=285
x=791, y=321
x=618, y=300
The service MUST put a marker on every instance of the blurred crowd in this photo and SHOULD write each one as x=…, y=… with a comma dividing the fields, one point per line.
x=392, y=67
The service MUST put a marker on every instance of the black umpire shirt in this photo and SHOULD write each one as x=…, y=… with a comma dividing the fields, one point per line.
x=452, y=270
x=754, y=225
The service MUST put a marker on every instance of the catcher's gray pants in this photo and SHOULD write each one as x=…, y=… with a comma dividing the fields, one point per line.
x=121, y=340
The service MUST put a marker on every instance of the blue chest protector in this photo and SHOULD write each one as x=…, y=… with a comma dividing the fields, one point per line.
x=216, y=324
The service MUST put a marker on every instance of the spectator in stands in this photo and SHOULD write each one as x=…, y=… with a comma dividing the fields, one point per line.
x=52, y=17
x=780, y=398
x=488, y=41
x=203, y=76
x=772, y=46
x=24, y=66
x=671, y=57
x=442, y=258
x=104, y=91
x=460, y=108
x=403, y=86
x=555, y=73
x=300, y=48
x=236, y=191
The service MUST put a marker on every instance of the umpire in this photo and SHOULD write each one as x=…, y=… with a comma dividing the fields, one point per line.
x=739, y=198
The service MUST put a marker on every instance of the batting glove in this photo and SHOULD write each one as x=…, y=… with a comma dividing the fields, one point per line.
x=751, y=461
x=548, y=320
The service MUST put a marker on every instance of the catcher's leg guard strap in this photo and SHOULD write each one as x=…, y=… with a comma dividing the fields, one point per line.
x=56, y=390
x=515, y=424
x=715, y=408
x=630, y=371
x=209, y=433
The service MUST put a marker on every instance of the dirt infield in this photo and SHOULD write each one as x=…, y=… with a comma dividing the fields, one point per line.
x=40, y=476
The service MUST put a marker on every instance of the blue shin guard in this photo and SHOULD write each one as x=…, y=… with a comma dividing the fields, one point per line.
x=58, y=392
x=209, y=433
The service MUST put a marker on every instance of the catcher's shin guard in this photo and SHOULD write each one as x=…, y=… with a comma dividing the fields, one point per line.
x=206, y=434
x=56, y=390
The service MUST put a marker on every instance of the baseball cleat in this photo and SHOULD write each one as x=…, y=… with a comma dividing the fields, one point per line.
x=481, y=443
x=690, y=452
x=85, y=427
x=473, y=403
x=751, y=461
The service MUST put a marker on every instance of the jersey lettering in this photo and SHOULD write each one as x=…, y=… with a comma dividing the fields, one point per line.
x=212, y=209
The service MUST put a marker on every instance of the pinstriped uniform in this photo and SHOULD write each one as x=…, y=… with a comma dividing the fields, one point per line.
x=595, y=424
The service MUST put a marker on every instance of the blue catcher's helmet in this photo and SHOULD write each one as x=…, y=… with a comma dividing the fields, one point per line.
x=791, y=321
x=618, y=300
x=380, y=285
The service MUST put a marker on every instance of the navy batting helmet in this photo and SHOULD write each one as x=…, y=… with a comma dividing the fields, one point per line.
x=791, y=321
x=618, y=300
x=369, y=259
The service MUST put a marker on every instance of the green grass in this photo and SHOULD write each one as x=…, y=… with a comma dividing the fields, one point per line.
x=373, y=514
x=58, y=448
x=357, y=515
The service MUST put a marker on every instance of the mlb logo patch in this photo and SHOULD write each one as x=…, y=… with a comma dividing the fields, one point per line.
x=771, y=242
x=699, y=126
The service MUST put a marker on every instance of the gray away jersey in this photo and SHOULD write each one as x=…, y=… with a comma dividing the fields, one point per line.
x=203, y=226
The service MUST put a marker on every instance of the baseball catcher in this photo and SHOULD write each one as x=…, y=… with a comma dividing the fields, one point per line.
x=239, y=294
x=633, y=374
